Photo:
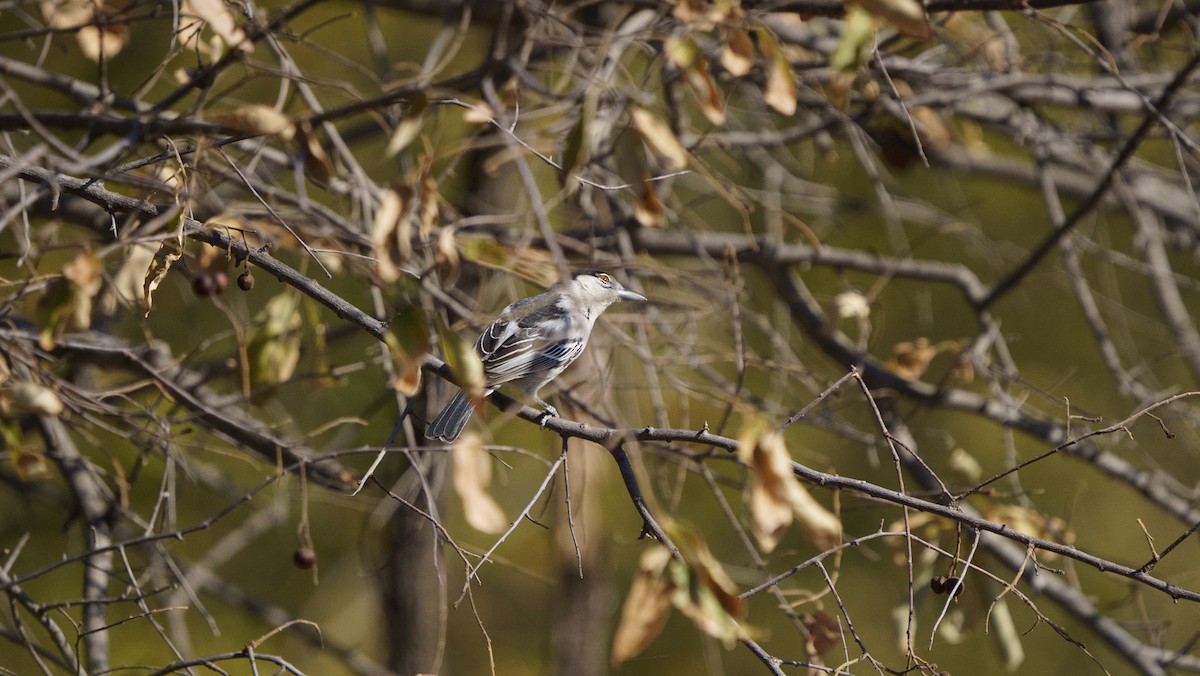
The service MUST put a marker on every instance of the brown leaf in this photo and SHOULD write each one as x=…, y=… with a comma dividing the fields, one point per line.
x=660, y=139
x=906, y=16
x=427, y=198
x=703, y=591
x=781, y=88
x=99, y=25
x=33, y=398
x=686, y=55
x=391, y=233
x=408, y=343
x=316, y=161
x=649, y=210
x=218, y=18
x=409, y=127
x=102, y=42
x=168, y=252
x=646, y=607
x=910, y=359
x=472, y=475
x=824, y=632
x=737, y=51
x=777, y=498
x=258, y=120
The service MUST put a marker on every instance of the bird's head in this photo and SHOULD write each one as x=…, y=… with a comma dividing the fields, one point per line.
x=600, y=288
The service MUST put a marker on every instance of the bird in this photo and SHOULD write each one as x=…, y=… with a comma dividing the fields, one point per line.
x=532, y=341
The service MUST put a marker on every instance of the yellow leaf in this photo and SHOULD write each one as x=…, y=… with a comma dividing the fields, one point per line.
x=465, y=363
x=168, y=252
x=257, y=119
x=274, y=345
x=852, y=48
x=660, y=139
x=472, y=475
x=646, y=607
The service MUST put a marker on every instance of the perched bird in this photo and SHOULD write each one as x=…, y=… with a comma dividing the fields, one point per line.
x=533, y=340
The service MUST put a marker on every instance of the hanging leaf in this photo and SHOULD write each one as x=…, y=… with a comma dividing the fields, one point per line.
x=32, y=398
x=851, y=51
x=737, y=51
x=257, y=120
x=472, y=476
x=781, y=88
x=391, y=233
x=99, y=25
x=274, y=345
x=408, y=128
x=906, y=16
x=646, y=607
x=408, y=343
x=218, y=18
x=467, y=367
x=168, y=252
x=686, y=56
x=777, y=498
x=910, y=359
x=316, y=161
x=659, y=139
x=649, y=210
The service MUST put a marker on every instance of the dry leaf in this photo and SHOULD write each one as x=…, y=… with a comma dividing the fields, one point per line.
x=906, y=16
x=781, y=88
x=649, y=210
x=703, y=590
x=851, y=305
x=274, y=345
x=646, y=607
x=824, y=632
x=478, y=113
x=472, y=475
x=99, y=25
x=737, y=51
x=316, y=161
x=391, y=233
x=660, y=139
x=777, y=497
x=408, y=343
x=445, y=253
x=686, y=56
x=910, y=359
x=168, y=252
x=427, y=199
x=218, y=18
x=34, y=398
x=257, y=119
x=409, y=127
x=464, y=361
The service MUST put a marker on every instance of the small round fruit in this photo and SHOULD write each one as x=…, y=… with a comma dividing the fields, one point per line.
x=246, y=281
x=304, y=558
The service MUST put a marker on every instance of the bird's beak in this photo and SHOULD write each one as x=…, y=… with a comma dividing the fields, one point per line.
x=626, y=294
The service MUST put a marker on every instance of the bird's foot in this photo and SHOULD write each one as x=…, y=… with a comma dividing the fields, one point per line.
x=550, y=412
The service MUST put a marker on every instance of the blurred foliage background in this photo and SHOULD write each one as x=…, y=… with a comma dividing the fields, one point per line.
x=895, y=254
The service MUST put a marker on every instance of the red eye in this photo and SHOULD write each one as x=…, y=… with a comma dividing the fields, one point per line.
x=604, y=278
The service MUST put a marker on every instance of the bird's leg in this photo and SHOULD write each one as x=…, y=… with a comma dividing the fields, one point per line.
x=551, y=412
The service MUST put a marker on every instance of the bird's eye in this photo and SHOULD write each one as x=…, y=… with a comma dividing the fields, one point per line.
x=603, y=278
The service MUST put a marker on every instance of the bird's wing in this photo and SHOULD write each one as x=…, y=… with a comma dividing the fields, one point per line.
x=512, y=350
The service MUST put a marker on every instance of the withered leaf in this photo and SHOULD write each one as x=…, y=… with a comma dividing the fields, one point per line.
x=472, y=476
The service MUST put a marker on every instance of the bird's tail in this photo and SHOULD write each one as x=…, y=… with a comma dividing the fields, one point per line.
x=450, y=422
